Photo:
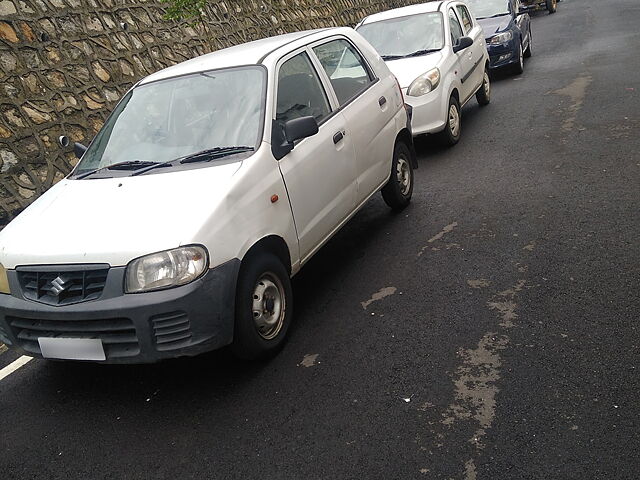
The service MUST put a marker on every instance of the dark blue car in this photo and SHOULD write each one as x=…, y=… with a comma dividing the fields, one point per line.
x=507, y=29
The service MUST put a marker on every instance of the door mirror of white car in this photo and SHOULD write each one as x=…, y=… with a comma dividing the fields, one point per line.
x=284, y=136
x=78, y=148
x=464, y=42
x=299, y=128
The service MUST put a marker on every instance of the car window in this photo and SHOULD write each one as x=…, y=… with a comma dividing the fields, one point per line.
x=399, y=37
x=488, y=8
x=300, y=93
x=171, y=118
x=466, y=18
x=456, y=29
x=345, y=67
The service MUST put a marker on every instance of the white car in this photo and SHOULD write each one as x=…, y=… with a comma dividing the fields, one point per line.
x=211, y=184
x=438, y=53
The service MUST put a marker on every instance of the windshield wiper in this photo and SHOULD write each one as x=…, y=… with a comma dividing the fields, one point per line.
x=392, y=57
x=204, y=155
x=212, y=153
x=494, y=16
x=126, y=165
x=419, y=53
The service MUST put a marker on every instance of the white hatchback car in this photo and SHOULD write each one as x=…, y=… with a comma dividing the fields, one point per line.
x=438, y=53
x=209, y=186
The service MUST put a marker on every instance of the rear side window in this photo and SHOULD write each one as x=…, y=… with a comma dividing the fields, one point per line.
x=345, y=67
x=467, y=23
x=456, y=29
x=300, y=93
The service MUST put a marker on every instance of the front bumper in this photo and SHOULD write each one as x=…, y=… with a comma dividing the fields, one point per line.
x=503, y=54
x=134, y=328
x=427, y=112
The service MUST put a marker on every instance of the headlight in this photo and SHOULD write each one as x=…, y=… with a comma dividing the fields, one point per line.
x=167, y=269
x=503, y=37
x=4, y=280
x=424, y=83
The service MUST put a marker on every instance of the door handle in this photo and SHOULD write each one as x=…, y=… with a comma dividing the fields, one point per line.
x=337, y=137
x=382, y=101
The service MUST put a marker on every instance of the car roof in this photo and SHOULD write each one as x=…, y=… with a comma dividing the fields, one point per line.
x=404, y=11
x=251, y=53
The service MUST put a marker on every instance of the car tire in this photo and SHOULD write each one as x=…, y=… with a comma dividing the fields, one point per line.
x=552, y=6
x=518, y=67
x=453, y=123
x=264, y=307
x=483, y=95
x=529, y=51
x=398, y=190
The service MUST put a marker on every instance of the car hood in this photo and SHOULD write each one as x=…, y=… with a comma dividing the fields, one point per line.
x=407, y=69
x=491, y=26
x=115, y=220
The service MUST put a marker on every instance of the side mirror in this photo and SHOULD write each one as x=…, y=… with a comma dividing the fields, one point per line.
x=78, y=148
x=299, y=128
x=464, y=42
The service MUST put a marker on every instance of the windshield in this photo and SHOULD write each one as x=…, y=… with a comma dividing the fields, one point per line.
x=403, y=36
x=488, y=8
x=176, y=117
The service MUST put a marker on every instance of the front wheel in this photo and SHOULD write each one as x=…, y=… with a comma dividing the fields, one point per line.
x=528, y=51
x=552, y=6
x=398, y=190
x=518, y=67
x=451, y=133
x=483, y=95
x=264, y=307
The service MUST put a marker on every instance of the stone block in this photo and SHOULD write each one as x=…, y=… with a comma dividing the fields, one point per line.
x=8, y=33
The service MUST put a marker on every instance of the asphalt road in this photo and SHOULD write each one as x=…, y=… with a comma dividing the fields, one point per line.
x=501, y=340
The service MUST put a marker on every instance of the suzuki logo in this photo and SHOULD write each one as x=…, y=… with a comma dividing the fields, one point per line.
x=58, y=285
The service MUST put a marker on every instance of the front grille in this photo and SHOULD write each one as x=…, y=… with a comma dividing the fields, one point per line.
x=171, y=330
x=118, y=335
x=63, y=286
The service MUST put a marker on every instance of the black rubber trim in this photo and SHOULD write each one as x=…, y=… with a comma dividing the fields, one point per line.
x=289, y=43
x=470, y=72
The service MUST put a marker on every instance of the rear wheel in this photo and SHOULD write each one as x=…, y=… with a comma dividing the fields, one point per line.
x=552, y=6
x=398, y=190
x=264, y=302
x=483, y=95
x=452, y=127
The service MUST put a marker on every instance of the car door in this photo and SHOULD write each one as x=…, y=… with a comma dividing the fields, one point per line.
x=368, y=105
x=320, y=172
x=464, y=57
x=473, y=30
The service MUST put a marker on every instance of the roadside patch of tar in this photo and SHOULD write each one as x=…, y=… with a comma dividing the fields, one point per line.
x=309, y=360
x=447, y=229
x=479, y=283
x=379, y=295
x=576, y=91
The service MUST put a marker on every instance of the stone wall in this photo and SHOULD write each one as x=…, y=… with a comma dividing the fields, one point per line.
x=65, y=63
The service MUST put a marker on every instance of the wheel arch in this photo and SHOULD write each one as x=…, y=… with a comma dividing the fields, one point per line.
x=273, y=244
x=455, y=94
x=405, y=136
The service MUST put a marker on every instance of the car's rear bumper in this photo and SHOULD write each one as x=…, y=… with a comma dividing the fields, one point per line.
x=133, y=328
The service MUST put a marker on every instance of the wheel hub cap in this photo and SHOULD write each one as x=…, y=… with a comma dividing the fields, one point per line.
x=403, y=174
x=268, y=306
x=454, y=120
